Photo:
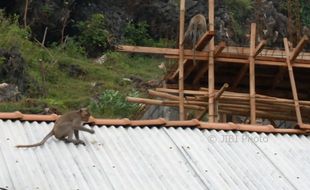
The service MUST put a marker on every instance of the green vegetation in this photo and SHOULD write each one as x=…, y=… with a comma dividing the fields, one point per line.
x=120, y=106
x=93, y=35
x=137, y=34
x=239, y=11
x=64, y=91
x=305, y=12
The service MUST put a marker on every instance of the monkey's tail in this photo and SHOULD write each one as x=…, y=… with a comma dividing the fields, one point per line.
x=37, y=144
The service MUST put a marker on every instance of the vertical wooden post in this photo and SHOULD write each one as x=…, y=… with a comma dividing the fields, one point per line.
x=252, y=74
x=26, y=12
x=181, y=60
x=292, y=80
x=211, y=65
x=44, y=37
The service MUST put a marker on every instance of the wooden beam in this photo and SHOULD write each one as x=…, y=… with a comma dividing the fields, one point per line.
x=240, y=76
x=268, y=61
x=163, y=95
x=260, y=47
x=292, y=80
x=189, y=92
x=223, y=57
x=161, y=103
x=219, y=49
x=204, y=40
x=211, y=78
x=200, y=74
x=230, y=52
x=261, y=62
x=217, y=96
x=244, y=68
x=293, y=57
x=160, y=51
x=252, y=74
x=181, y=60
x=300, y=46
x=221, y=91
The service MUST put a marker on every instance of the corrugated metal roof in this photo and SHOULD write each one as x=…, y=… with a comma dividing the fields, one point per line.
x=153, y=158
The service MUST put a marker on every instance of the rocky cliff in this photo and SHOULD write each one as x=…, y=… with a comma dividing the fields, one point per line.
x=233, y=18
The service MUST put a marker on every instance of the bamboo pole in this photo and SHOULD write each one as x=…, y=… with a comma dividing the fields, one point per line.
x=203, y=95
x=221, y=91
x=181, y=60
x=26, y=12
x=161, y=103
x=163, y=95
x=300, y=46
x=211, y=65
x=44, y=37
x=252, y=74
x=292, y=80
x=217, y=96
x=185, y=91
x=227, y=108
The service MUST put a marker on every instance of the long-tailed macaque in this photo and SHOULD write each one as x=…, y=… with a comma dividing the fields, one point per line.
x=65, y=126
x=196, y=28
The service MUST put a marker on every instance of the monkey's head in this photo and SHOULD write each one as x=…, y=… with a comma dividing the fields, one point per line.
x=85, y=114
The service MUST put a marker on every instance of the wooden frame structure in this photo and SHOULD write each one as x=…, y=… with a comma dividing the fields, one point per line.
x=257, y=105
x=181, y=59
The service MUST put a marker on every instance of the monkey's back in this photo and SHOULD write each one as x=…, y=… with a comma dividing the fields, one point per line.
x=67, y=117
x=196, y=28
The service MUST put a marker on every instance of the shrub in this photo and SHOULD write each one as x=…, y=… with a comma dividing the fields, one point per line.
x=137, y=34
x=112, y=103
x=10, y=32
x=305, y=13
x=93, y=35
x=239, y=11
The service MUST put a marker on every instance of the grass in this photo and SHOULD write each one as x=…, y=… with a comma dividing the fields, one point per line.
x=62, y=91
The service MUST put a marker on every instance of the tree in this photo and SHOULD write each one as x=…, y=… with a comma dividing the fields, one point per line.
x=26, y=12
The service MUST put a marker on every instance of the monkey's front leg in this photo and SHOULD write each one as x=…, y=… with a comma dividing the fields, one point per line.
x=76, y=134
x=82, y=128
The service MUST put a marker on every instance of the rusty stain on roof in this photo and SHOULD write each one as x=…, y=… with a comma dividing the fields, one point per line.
x=159, y=122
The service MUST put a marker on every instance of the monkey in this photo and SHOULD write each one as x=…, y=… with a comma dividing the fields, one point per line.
x=65, y=126
x=196, y=28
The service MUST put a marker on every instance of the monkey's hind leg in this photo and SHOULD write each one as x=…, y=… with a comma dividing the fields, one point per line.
x=71, y=140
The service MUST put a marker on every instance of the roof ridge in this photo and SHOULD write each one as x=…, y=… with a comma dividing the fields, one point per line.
x=159, y=122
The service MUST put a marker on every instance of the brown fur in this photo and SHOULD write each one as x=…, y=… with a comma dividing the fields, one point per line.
x=196, y=28
x=65, y=126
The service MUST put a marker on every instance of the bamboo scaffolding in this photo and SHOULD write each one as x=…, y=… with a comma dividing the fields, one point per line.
x=181, y=60
x=162, y=103
x=252, y=104
x=252, y=74
x=293, y=57
x=233, y=108
x=217, y=96
x=211, y=77
x=292, y=80
x=229, y=103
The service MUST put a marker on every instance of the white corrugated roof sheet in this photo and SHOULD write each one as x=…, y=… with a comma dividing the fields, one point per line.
x=152, y=158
